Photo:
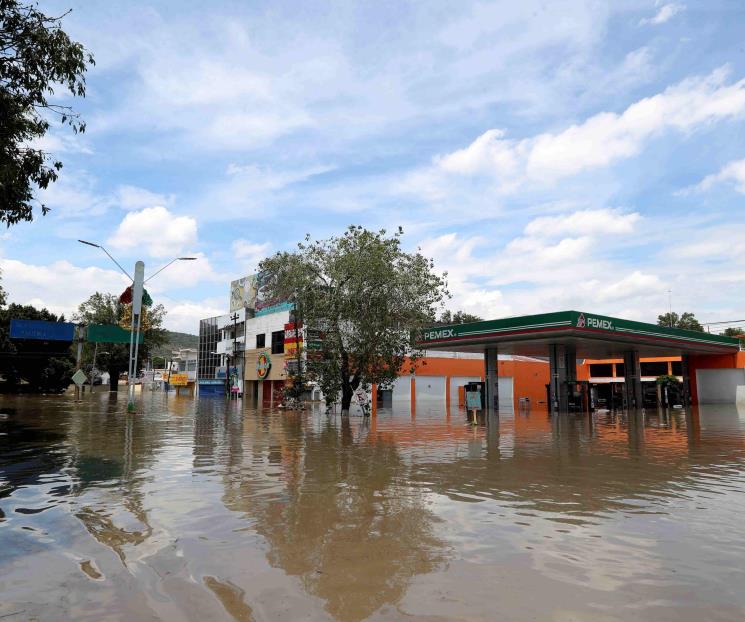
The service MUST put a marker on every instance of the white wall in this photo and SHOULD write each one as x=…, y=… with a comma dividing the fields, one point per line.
x=506, y=394
x=430, y=389
x=402, y=389
x=721, y=386
x=266, y=324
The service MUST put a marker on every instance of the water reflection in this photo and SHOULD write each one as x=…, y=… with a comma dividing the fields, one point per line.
x=336, y=509
x=208, y=510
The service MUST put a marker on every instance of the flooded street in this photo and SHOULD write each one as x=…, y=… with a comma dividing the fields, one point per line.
x=209, y=510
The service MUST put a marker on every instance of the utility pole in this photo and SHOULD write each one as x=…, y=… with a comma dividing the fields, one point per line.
x=79, y=355
x=670, y=306
x=234, y=358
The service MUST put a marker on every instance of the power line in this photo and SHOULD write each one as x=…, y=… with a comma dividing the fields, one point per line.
x=727, y=322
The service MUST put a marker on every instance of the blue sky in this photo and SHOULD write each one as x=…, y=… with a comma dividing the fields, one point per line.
x=548, y=155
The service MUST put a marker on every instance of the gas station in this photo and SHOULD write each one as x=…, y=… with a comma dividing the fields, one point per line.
x=566, y=336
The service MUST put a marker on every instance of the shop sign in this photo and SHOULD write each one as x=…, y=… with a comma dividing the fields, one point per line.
x=178, y=380
x=293, y=339
x=263, y=365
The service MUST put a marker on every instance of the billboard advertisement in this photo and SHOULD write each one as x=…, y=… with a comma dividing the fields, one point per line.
x=243, y=293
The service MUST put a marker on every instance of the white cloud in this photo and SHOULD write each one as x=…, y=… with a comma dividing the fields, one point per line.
x=183, y=273
x=250, y=252
x=559, y=262
x=56, y=142
x=601, y=140
x=134, y=198
x=635, y=285
x=733, y=172
x=665, y=13
x=250, y=191
x=155, y=230
x=76, y=193
x=60, y=286
x=584, y=222
x=184, y=316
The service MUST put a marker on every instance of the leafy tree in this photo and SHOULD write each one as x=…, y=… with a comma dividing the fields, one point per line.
x=36, y=55
x=735, y=331
x=459, y=317
x=687, y=321
x=363, y=296
x=46, y=366
x=106, y=309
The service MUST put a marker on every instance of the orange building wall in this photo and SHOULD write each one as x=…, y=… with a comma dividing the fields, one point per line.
x=724, y=361
x=529, y=378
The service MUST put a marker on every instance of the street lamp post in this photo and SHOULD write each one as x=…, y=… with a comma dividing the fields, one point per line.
x=138, y=285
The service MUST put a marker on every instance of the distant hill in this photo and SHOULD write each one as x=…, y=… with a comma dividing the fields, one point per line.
x=176, y=341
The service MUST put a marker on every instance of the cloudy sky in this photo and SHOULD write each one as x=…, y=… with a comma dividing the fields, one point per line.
x=549, y=155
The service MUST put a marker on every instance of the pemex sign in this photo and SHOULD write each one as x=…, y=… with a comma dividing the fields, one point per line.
x=591, y=321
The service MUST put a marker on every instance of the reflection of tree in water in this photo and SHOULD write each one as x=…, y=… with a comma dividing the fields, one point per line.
x=345, y=521
x=112, y=454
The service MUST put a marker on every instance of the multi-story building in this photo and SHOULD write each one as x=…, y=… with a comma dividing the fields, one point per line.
x=256, y=343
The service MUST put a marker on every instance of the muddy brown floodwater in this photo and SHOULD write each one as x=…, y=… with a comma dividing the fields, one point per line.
x=210, y=510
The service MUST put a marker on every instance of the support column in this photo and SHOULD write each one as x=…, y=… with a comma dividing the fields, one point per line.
x=562, y=369
x=633, y=380
x=413, y=397
x=686, y=373
x=491, y=363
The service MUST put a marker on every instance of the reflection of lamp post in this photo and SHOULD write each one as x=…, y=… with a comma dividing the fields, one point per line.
x=138, y=283
x=95, y=354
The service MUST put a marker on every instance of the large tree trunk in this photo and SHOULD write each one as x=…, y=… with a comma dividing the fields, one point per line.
x=346, y=399
x=114, y=379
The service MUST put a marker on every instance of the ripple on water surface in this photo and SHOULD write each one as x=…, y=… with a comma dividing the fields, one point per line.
x=214, y=510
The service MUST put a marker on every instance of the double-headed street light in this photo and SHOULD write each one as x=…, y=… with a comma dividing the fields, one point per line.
x=138, y=283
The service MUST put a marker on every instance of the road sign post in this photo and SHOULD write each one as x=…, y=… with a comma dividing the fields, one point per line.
x=134, y=339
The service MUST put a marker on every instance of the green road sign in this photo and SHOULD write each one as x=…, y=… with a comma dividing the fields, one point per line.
x=109, y=333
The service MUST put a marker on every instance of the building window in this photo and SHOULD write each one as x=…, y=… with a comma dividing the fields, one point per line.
x=208, y=338
x=620, y=370
x=677, y=368
x=278, y=342
x=261, y=341
x=601, y=370
x=654, y=368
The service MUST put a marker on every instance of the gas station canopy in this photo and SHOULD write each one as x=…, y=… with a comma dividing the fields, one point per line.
x=592, y=336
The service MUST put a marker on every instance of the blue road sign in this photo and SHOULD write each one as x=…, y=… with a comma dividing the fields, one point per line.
x=42, y=330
